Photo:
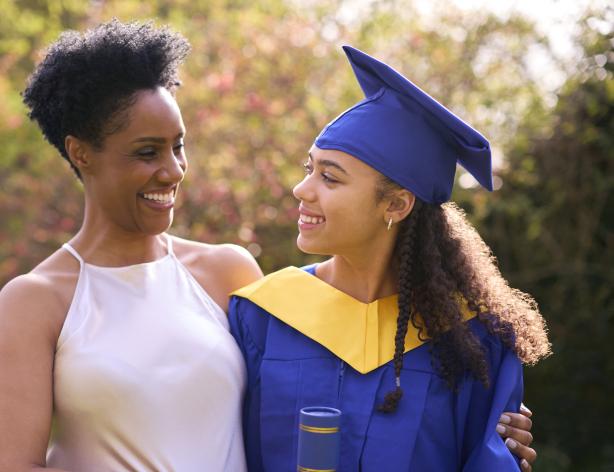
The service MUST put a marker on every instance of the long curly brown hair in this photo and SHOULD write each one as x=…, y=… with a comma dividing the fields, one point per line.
x=440, y=257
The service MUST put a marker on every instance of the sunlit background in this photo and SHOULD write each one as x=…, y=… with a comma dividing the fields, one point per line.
x=535, y=76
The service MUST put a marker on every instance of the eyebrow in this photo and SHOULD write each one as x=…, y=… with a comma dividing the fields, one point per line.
x=151, y=139
x=328, y=163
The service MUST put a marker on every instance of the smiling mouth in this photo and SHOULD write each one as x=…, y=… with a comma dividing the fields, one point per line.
x=159, y=197
x=311, y=220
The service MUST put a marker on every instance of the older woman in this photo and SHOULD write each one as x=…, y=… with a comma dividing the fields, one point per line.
x=120, y=336
x=409, y=328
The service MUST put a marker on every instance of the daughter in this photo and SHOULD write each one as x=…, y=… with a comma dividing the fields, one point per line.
x=409, y=328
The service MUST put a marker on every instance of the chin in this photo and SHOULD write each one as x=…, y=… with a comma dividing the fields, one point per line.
x=310, y=247
x=158, y=228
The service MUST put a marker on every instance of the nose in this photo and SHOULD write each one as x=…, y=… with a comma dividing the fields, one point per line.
x=173, y=168
x=304, y=190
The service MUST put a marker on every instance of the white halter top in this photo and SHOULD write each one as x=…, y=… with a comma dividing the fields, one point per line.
x=147, y=376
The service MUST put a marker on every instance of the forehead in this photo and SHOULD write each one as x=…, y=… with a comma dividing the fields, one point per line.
x=352, y=165
x=153, y=113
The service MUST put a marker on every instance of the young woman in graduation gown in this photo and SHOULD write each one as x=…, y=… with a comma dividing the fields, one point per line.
x=409, y=328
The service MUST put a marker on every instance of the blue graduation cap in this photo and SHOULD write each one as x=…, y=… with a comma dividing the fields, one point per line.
x=405, y=134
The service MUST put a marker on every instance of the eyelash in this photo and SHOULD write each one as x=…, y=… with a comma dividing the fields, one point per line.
x=150, y=153
x=309, y=170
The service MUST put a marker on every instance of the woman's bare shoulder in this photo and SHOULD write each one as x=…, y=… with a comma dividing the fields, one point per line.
x=41, y=297
x=232, y=265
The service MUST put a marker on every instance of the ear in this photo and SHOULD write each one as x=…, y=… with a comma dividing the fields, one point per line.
x=79, y=153
x=400, y=205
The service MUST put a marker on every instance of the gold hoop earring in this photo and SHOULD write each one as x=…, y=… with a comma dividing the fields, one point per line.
x=389, y=223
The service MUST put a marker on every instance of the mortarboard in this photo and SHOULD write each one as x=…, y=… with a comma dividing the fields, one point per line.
x=405, y=134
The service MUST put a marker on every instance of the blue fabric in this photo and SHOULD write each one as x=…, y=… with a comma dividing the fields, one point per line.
x=432, y=430
x=405, y=134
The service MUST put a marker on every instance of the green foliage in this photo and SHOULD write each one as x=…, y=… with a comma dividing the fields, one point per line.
x=262, y=80
x=552, y=227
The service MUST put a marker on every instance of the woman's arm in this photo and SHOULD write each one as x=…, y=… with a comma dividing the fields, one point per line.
x=28, y=336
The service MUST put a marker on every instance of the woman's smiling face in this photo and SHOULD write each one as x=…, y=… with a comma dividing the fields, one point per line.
x=339, y=211
x=134, y=179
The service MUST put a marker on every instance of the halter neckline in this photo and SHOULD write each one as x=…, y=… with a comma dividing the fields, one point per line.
x=76, y=255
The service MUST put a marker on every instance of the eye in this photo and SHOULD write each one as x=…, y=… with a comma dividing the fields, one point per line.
x=178, y=147
x=308, y=166
x=328, y=179
x=146, y=153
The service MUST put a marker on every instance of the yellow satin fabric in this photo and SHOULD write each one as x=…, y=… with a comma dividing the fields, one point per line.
x=362, y=334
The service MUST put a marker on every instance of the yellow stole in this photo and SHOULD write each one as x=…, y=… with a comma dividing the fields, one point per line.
x=362, y=334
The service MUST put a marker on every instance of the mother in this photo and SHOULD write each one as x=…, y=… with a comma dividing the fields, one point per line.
x=121, y=334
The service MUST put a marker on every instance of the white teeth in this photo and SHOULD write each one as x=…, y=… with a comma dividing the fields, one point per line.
x=313, y=220
x=160, y=197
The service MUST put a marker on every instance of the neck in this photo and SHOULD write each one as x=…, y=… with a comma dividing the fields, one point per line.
x=365, y=278
x=104, y=244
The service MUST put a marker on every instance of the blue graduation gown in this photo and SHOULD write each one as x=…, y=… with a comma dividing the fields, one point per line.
x=433, y=428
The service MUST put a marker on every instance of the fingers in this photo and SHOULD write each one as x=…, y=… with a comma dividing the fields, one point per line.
x=517, y=421
x=519, y=435
x=515, y=428
x=525, y=411
x=526, y=454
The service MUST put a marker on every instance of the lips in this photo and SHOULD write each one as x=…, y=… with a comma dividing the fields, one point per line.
x=309, y=219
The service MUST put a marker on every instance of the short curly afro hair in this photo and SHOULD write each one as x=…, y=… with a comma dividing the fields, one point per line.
x=87, y=80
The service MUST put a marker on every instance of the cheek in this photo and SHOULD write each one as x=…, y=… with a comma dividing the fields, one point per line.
x=365, y=223
x=358, y=218
x=118, y=189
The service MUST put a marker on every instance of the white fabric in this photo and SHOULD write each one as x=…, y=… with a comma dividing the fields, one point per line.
x=147, y=376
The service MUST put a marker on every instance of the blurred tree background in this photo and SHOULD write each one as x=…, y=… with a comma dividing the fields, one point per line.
x=265, y=76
